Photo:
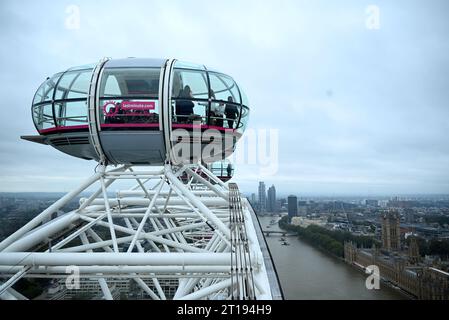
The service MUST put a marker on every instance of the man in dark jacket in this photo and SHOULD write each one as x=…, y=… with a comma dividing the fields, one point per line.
x=184, y=107
x=231, y=112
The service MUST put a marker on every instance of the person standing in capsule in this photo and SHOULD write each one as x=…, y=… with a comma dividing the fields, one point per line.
x=231, y=112
x=184, y=106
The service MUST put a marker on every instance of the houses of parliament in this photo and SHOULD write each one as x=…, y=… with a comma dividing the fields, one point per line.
x=401, y=266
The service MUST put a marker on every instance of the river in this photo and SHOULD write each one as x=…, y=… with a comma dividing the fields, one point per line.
x=308, y=273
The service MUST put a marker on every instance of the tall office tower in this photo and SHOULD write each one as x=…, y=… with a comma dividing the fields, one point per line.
x=292, y=207
x=271, y=201
x=391, y=233
x=262, y=197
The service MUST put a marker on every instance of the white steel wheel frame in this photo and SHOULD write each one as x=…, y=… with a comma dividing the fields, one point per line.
x=161, y=229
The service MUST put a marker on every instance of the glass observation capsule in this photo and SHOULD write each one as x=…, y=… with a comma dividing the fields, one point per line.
x=140, y=111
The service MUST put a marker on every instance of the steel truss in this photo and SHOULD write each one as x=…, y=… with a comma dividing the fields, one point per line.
x=179, y=225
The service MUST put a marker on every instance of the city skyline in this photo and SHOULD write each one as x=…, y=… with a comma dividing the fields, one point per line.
x=285, y=193
x=420, y=221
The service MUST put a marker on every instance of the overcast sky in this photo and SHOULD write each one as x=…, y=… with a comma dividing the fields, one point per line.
x=358, y=110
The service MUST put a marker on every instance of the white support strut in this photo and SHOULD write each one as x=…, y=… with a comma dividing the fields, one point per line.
x=180, y=230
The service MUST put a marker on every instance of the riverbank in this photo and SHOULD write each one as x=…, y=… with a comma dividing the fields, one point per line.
x=331, y=241
x=309, y=273
x=385, y=283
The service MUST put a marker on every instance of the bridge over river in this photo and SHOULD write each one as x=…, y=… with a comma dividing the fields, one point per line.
x=268, y=233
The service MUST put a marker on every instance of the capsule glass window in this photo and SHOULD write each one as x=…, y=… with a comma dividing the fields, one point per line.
x=245, y=101
x=243, y=119
x=190, y=96
x=223, y=88
x=189, y=84
x=129, y=97
x=43, y=116
x=128, y=82
x=71, y=113
x=45, y=91
x=74, y=85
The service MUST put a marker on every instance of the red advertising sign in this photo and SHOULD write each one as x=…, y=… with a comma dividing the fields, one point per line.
x=128, y=108
x=138, y=105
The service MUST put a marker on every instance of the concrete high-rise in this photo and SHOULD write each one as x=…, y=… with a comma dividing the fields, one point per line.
x=271, y=199
x=262, y=197
x=292, y=206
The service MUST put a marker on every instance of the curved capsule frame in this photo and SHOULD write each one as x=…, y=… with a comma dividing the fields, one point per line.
x=164, y=96
x=93, y=109
x=62, y=123
x=166, y=110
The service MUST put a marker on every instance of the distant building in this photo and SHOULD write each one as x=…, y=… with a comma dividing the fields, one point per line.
x=413, y=250
x=395, y=203
x=262, y=197
x=296, y=221
x=371, y=203
x=292, y=206
x=282, y=203
x=278, y=206
x=383, y=203
x=422, y=281
x=271, y=199
x=253, y=199
x=302, y=208
x=391, y=234
x=409, y=215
